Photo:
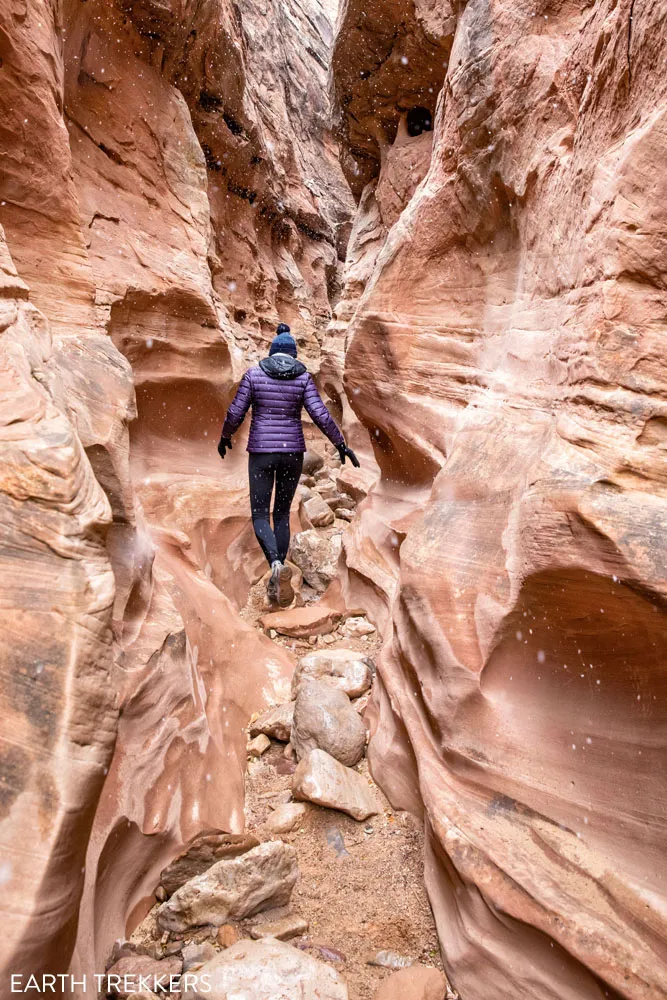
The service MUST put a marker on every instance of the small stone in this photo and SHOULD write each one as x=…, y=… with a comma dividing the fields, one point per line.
x=324, y=719
x=228, y=935
x=321, y=474
x=160, y=894
x=202, y=851
x=196, y=954
x=327, y=489
x=286, y=817
x=312, y=640
x=275, y=722
x=314, y=619
x=321, y=779
x=328, y=639
x=357, y=627
x=312, y=463
x=288, y=927
x=342, y=502
x=416, y=983
x=272, y=633
x=390, y=960
x=344, y=515
x=288, y=752
x=258, y=880
x=259, y=745
x=315, y=513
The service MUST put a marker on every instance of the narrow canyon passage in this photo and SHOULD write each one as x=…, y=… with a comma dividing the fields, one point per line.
x=459, y=208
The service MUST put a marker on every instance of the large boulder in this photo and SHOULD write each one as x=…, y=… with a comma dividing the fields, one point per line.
x=202, y=851
x=262, y=878
x=266, y=970
x=346, y=669
x=324, y=719
x=275, y=722
x=316, y=555
x=321, y=779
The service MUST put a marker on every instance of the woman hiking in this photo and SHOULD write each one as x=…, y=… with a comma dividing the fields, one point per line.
x=277, y=389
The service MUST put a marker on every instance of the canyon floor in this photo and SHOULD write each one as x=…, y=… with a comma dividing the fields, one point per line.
x=360, y=899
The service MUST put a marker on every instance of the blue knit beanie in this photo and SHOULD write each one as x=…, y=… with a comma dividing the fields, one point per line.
x=284, y=342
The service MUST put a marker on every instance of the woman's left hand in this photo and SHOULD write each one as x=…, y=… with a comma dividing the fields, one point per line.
x=223, y=445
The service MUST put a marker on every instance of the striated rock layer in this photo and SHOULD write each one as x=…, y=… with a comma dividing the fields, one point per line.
x=169, y=189
x=506, y=353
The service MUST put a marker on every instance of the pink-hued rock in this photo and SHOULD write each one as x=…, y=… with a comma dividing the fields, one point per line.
x=504, y=353
x=161, y=212
x=315, y=619
x=416, y=983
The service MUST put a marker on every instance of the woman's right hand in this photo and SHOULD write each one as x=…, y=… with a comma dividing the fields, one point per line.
x=223, y=445
x=344, y=452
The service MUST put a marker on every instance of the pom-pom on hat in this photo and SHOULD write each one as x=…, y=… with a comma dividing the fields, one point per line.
x=283, y=342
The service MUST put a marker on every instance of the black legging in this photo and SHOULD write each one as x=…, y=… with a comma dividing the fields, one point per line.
x=265, y=468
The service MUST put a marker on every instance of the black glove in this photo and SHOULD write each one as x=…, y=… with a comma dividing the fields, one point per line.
x=344, y=451
x=224, y=444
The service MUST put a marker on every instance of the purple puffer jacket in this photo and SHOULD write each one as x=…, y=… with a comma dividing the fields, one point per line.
x=277, y=389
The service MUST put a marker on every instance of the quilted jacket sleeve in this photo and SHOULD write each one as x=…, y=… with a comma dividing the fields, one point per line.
x=319, y=414
x=238, y=407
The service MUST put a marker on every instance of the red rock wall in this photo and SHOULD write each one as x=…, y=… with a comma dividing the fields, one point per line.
x=170, y=188
x=506, y=353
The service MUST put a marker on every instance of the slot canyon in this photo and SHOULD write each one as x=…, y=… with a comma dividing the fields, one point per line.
x=460, y=209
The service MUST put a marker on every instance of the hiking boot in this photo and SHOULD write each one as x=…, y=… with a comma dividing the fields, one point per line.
x=284, y=591
x=272, y=585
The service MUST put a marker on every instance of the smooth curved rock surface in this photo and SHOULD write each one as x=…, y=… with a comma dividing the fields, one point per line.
x=168, y=193
x=505, y=354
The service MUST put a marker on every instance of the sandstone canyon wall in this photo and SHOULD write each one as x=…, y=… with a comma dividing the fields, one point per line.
x=169, y=189
x=506, y=299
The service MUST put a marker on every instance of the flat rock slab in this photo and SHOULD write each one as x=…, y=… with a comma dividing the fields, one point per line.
x=417, y=983
x=286, y=927
x=316, y=619
x=345, y=669
x=324, y=719
x=276, y=722
x=321, y=779
x=202, y=851
x=268, y=970
x=232, y=890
